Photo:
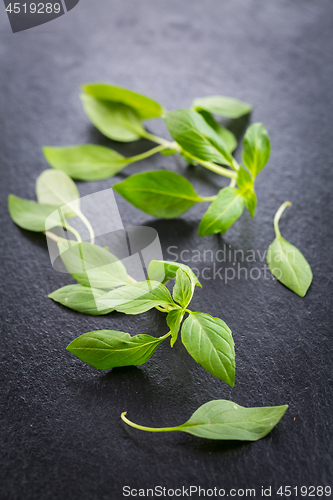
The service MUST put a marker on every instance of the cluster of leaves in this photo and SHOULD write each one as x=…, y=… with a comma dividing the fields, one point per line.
x=119, y=113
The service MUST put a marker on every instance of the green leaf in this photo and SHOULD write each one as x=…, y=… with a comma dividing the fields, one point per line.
x=223, y=212
x=87, y=162
x=164, y=271
x=138, y=298
x=92, y=266
x=256, y=148
x=80, y=298
x=160, y=193
x=286, y=262
x=210, y=343
x=221, y=419
x=54, y=187
x=250, y=198
x=174, y=319
x=223, y=106
x=106, y=349
x=228, y=137
x=195, y=136
x=115, y=120
x=246, y=187
x=183, y=289
x=31, y=215
x=144, y=106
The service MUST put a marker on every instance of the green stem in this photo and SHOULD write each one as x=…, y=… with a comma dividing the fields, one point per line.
x=160, y=140
x=88, y=226
x=148, y=429
x=216, y=168
x=278, y=216
x=208, y=199
x=232, y=183
x=74, y=231
x=142, y=156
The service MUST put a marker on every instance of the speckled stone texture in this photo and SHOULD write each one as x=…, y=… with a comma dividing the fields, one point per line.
x=61, y=434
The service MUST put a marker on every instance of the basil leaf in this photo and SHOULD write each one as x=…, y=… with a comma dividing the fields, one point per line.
x=92, y=266
x=160, y=193
x=256, y=148
x=246, y=186
x=289, y=266
x=195, y=136
x=54, y=187
x=227, y=137
x=223, y=106
x=80, y=298
x=223, y=212
x=144, y=106
x=137, y=298
x=286, y=262
x=115, y=120
x=174, y=319
x=210, y=343
x=250, y=198
x=183, y=289
x=106, y=349
x=164, y=271
x=31, y=215
x=87, y=162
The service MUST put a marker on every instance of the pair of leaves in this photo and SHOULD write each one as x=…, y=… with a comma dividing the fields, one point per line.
x=54, y=189
x=286, y=262
x=221, y=419
x=208, y=340
x=118, y=112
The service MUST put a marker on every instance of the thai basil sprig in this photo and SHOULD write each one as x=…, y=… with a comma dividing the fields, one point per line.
x=207, y=339
x=119, y=114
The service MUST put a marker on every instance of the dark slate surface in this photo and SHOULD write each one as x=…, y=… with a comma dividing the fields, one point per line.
x=61, y=435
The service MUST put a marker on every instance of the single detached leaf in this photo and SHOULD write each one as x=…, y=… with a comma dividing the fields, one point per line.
x=223, y=106
x=174, y=319
x=92, y=266
x=115, y=120
x=54, y=187
x=210, y=343
x=31, y=215
x=195, y=136
x=87, y=162
x=164, y=271
x=256, y=148
x=137, y=298
x=221, y=419
x=289, y=266
x=106, y=349
x=160, y=193
x=80, y=298
x=228, y=137
x=183, y=289
x=286, y=262
x=223, y=212
x=144, y=106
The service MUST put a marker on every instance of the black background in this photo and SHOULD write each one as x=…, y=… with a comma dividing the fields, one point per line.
x=61, y=434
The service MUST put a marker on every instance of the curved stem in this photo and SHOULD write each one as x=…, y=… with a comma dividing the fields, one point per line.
x=160, y=140
x=74, y=231
x=88, y=226
x=216, y=168
x=278, y=216
x=142, y=156
x=52, y=236
x=232, y=183
x=148, y=429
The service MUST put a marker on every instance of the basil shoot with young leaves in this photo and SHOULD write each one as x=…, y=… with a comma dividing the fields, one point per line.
x=221, y=419
x=208, y=340
x=286, y=262
x=119, y=114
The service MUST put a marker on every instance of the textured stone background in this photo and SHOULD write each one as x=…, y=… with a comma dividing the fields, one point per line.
x=61, y=435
